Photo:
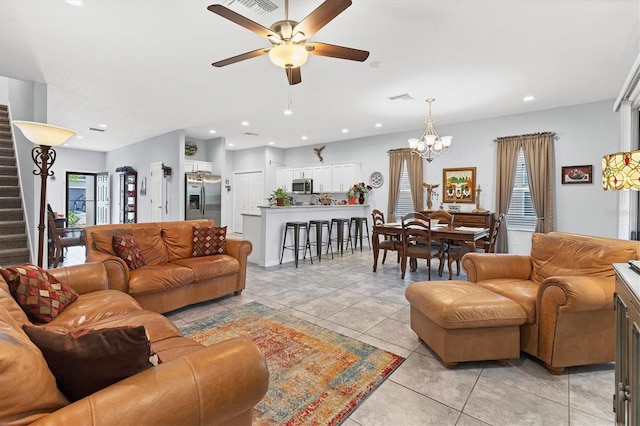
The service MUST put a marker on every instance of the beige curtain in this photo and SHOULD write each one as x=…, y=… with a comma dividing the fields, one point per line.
x=396, y=158
x=414, y=164
x=538, y=157
x=414, y=169
x=508, y=148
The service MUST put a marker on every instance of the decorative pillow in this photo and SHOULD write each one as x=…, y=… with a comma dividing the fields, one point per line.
x=39, y=294
x=85, y=361
x=208, y=240
x=127, y=249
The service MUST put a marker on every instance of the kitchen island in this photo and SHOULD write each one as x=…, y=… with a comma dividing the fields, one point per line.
x=265, y=231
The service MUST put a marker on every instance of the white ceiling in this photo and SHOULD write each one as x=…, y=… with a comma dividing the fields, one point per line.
x=143, y=68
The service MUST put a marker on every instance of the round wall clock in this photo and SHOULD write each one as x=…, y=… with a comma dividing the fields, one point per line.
x=190, y=148
x=376, y=179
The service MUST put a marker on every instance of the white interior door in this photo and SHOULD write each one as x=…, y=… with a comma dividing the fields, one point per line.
x=157, y=192
x=247, y=196
x=103, y=204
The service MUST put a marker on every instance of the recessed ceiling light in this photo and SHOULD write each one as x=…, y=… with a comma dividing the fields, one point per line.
x=75, y=2
x=375, y=64
x=79, y=136
x=528, y=98
x=272, y=143
x=212, y=131
x=345, y=130
x=230, y=144
x=245, y=123
x=401, y=97
x=104, y=126
x=378, y=124
x=288, y=112
x=304, y=138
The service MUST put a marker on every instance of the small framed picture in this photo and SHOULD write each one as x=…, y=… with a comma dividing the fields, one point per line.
x=458, y=185
x=577, y=174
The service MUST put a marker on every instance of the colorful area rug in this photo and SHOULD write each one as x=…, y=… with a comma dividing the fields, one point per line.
x=316, y=376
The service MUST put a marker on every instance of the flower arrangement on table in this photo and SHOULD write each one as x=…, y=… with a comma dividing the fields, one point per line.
x=358, y=190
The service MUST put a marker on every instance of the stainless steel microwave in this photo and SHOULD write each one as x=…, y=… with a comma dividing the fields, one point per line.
x=302, y=186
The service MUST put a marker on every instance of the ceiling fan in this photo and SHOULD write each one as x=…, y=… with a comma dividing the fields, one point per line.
x=288, y=38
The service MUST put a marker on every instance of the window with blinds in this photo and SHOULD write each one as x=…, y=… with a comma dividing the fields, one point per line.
x=521, y=215
x=404, y=204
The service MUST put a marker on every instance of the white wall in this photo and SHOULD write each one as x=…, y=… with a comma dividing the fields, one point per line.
x=584, y=134
x=167, y=149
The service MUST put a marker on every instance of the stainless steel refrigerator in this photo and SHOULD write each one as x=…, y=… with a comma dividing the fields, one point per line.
x=203, y=192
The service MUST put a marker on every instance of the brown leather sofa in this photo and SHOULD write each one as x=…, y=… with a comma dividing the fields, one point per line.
x=194, y=384
x=171, y=278
x=565, y=286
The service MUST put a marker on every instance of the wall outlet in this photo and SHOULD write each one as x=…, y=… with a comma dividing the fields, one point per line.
x=516, y=241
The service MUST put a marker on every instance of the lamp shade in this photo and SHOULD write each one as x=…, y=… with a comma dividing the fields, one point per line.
x=43, y=134
x=621, y=170
x=288, y=55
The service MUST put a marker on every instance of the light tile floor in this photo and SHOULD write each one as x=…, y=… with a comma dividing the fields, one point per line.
x=344, y=295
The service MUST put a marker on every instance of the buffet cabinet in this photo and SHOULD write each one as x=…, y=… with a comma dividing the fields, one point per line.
x=626, y=397
x=128, y=197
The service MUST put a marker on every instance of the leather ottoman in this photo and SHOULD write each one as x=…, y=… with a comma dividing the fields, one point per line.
x=461, y=321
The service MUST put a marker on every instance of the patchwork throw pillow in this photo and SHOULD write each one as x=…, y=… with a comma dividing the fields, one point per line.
x=39, y=294
x=208, y=240
x=85, y=361
x=127, y=249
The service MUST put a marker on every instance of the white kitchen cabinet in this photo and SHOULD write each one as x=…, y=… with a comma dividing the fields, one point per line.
x=344, y=176
x=284, y=178
x=302, y=172
x=198, y=166
x=322, y=178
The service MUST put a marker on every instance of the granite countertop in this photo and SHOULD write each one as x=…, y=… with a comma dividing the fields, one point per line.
x=314, y=206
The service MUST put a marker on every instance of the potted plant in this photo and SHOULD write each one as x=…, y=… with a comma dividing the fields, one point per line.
x=280, y=197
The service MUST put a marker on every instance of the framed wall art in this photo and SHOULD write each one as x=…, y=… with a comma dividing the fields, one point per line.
x=458, y=185
x=577, y=174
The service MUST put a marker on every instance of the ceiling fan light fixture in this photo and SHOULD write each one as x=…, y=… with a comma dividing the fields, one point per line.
x=288, y=55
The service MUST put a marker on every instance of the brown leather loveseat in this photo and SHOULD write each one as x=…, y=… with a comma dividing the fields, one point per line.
x=194, y=384
x=171, y=277
x=565, y=287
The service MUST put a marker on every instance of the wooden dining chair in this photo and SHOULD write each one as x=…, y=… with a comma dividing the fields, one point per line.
x=442, y=245
x=388, y=242
x=456, y=252
x=61, y=238
x=416, y=241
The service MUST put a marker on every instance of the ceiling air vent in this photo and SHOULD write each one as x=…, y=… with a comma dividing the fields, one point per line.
x=261, y=7
x=251, y=134
x=399, y=98
x=95, y=129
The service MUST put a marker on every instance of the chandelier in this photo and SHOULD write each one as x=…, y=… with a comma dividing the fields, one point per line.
x=430, y=145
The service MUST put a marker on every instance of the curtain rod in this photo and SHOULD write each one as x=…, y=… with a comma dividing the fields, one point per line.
x=528, y=135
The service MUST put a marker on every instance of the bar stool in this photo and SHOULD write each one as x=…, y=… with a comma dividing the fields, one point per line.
x=318, y=226
x=340, y=237
x=296, y=227
x=358, y=231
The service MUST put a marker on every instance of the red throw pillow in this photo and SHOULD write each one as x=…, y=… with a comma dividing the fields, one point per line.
x=85, y=361
x=208, y=240
x=39, y=294
x=127, y=249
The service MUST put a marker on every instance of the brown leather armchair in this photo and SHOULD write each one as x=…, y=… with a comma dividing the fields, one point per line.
x=566, y=287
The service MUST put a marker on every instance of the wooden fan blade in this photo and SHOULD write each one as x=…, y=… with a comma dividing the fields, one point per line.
x=333, y=51
x=241, y=57
x=321, y=16
x=241, y=20
x=294, y=75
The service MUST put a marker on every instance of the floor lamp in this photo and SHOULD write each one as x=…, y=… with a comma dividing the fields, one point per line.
x=45, y=136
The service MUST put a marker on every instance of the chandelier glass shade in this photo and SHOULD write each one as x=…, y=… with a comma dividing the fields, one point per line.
x=621, y=170
x=430, y=145
x=288, y=55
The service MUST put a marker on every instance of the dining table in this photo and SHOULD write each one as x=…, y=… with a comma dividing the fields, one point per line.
x=464, y=235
